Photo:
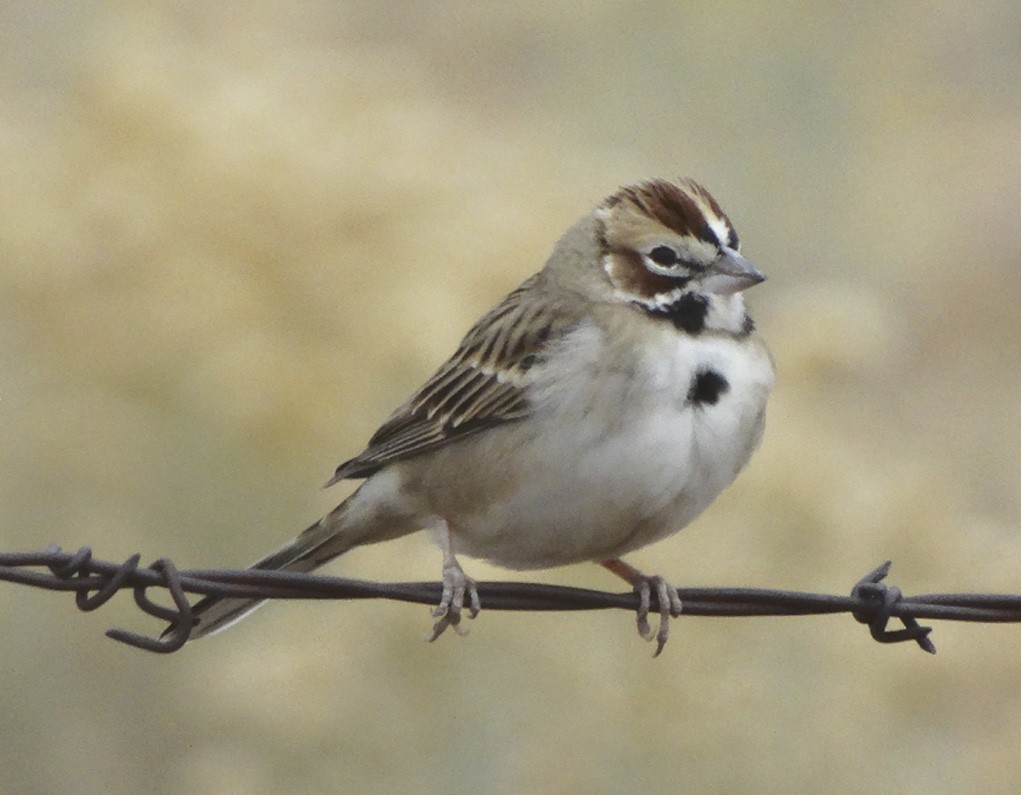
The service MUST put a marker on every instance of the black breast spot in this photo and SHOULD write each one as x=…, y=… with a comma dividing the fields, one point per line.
x=706, y=388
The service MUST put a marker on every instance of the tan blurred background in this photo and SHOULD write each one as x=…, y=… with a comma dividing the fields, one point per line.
x=234, y=236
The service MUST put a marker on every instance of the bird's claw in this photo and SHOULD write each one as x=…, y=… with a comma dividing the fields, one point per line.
x=669, y=607
x=456, y=586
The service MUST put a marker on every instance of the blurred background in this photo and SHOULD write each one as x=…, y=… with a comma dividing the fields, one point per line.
x=234, y=236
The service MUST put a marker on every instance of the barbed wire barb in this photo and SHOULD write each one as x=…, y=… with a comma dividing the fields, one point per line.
x=94, y=582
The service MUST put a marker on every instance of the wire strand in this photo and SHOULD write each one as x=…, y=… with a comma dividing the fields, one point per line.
x=94, y=582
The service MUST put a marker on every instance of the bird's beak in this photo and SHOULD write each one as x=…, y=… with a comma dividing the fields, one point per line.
x=731, y=273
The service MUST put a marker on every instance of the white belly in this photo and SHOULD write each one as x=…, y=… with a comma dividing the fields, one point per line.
x=615, y=456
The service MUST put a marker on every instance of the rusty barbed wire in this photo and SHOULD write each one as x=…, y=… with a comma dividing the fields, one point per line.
x=94, y=582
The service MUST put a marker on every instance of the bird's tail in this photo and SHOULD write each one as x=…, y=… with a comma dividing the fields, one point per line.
x=317, y=545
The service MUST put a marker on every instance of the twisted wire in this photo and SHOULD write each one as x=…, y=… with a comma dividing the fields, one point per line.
x=94, y=582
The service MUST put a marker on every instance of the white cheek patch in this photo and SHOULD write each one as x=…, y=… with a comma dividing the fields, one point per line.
x=662, y=300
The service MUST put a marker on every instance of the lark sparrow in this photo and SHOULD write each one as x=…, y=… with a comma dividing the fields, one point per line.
x=599, y=407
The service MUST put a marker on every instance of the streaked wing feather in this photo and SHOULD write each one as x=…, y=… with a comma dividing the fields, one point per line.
x=480, y=386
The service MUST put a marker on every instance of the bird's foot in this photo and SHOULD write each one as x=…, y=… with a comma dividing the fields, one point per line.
x=668, y=602
x=456, y=587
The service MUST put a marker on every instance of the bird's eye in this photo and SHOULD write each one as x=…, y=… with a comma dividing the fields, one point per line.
x=664, y=255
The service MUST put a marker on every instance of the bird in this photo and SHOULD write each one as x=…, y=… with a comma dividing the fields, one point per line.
x=599, y=407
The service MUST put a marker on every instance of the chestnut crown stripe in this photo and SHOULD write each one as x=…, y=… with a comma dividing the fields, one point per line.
x=678, y=209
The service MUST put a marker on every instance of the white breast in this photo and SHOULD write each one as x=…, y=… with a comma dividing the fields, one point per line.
x=616, y=455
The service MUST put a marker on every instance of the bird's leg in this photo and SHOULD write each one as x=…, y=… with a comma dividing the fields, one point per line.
x=666, y=596
x=456, y=585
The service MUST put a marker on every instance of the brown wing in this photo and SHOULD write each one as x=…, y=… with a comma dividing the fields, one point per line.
x=480, y=386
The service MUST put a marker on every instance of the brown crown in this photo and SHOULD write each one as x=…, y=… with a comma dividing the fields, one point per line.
x=674, y=206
